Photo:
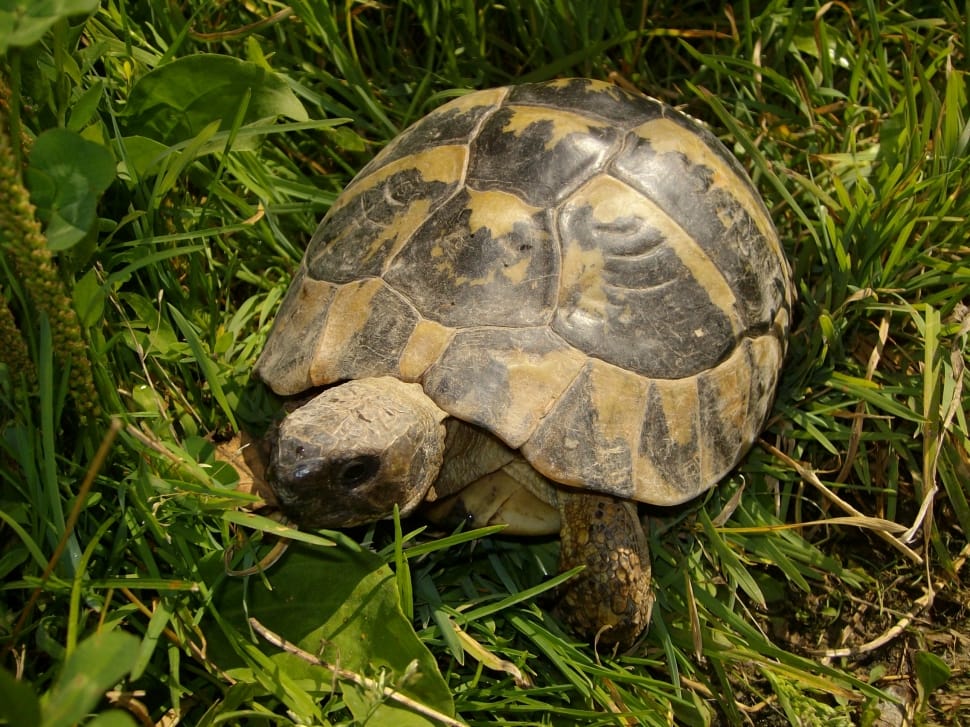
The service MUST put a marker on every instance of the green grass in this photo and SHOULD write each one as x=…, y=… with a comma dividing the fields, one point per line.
x=853, y=119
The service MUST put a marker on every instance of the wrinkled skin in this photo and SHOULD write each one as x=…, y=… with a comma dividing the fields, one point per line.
x=350, y=454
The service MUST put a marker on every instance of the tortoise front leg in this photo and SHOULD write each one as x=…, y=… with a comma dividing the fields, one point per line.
x=611, y=599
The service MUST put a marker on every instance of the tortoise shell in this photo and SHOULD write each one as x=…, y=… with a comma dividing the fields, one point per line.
x=586, y=273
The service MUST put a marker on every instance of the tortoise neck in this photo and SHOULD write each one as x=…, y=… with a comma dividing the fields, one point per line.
x=470, y=454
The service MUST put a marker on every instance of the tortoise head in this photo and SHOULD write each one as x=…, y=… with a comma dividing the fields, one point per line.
x=350, y=454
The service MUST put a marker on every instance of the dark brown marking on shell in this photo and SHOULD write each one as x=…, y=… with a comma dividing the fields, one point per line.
x=453, y=123
x=722, y=436
x=712, y=215
x=461, y=272
x=521, y=151
x=382, y=325
x=736, y=400
x=503, y=379
x=573, y=445
x=627, y=298
x=669, y=438
x=596, y=99
x=357, y=238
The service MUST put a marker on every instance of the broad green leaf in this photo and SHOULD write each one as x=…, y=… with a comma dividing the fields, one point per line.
x=96, y=665
x=89, y=297
x=161, y=335
x=112, y=718
x=66, y=177
x=177, y=100
x=140, y=156
x=85, y=107
x=24, y=22
x=203, y=451
x=18, y=703
x=931, y=671
x=347, y=139
x=297, y=684
x=343, y=607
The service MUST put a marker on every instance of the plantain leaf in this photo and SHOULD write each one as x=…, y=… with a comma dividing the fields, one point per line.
x=24, y=22
x=178, y=100
x=931, y=671
x=96, y=665
x=18, y=703
x=66, y=177
x=344, y=607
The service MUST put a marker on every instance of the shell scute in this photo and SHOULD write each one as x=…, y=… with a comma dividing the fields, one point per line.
x=696, y=182
x=670, y=440
x=636, y=290
x=362, y=313
x=375, y=217
x=597, y=99
x=453, y=123
x=301, y=318
x=482, y=259
x=503, y=379
x=539, y=155
x=589, y=437
x=735, y=401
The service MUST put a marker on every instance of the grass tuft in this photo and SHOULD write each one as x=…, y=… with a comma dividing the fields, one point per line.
x=178, y=157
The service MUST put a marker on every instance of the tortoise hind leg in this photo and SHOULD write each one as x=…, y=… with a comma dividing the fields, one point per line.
x=611, y=599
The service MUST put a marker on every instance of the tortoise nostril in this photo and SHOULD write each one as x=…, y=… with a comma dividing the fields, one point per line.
x=301, y=473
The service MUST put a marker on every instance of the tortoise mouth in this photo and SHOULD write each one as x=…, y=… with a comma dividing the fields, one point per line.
x=307, y=499
x=308, y=514
x=320, y=492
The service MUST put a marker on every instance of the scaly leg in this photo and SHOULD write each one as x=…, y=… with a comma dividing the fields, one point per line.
x=611, y=600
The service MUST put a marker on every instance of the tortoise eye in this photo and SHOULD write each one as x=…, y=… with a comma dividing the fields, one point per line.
x=358, y=470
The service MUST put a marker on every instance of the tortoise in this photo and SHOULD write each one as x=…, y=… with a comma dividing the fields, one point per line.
x=539, y=305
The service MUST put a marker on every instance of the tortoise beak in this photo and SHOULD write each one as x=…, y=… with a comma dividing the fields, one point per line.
x=306, y=493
